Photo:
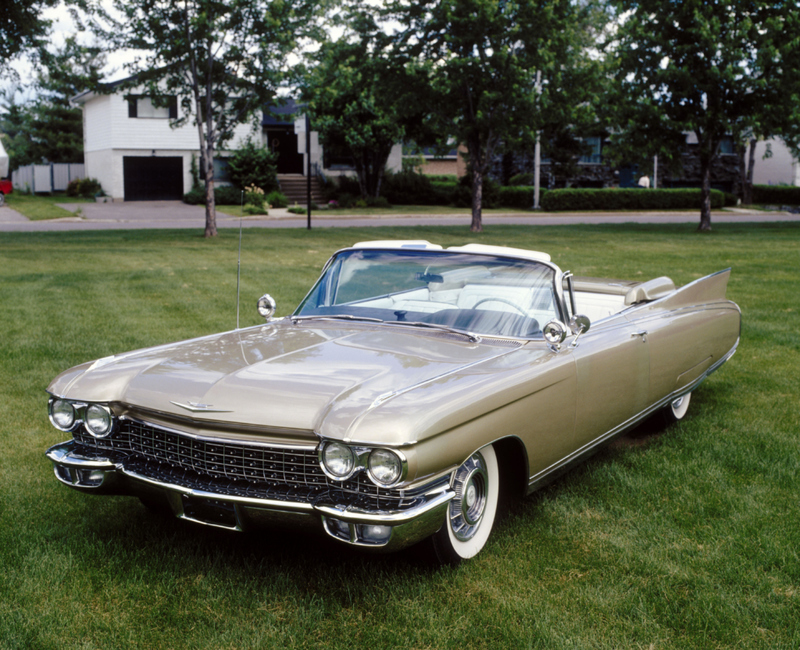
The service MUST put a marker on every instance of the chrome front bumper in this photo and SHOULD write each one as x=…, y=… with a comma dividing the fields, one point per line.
x=384, y=530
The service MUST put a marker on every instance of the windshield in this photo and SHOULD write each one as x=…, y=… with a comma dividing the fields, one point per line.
x=480, y=294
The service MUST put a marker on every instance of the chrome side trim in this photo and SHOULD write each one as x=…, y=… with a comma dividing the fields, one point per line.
x=386, y=518
x=546, y=475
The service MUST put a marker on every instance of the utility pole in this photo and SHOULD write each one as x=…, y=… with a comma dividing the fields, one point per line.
x=308, y=169
x=537, y=149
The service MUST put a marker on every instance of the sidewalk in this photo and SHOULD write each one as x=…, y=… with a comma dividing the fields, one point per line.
x=174, y=214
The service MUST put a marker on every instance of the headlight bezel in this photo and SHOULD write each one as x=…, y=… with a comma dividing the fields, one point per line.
x=361, y=456
x=80, y=416
x=51, y=411
x=397, y=466
x=348, y=455
x=105, y=414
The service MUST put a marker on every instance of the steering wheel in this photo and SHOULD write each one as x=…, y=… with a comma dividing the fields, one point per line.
x=503, y=300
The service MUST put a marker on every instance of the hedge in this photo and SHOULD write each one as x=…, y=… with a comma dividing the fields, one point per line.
x=223, y=195
x=776, y=194
x=628, y=199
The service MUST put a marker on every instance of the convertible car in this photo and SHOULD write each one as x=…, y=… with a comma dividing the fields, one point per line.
x=409, y=393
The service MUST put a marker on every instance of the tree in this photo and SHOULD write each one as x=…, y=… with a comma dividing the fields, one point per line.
x=707, y=67
x=484, y=55
x=364, y=96
x=56, y=128
x=47, y=127
x=24, y=29
x=223, y=60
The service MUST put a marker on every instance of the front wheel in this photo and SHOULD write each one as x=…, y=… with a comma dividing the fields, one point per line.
x=472, y=512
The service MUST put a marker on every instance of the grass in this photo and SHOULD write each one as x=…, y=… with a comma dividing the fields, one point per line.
x=680, y=538
x=38, y=207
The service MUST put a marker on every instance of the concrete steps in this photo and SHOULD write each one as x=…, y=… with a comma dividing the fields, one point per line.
x=294, y=187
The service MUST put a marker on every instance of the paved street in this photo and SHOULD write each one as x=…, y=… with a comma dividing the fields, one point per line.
x=174, y=214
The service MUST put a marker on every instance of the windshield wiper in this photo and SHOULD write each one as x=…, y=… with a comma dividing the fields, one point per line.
x=336, y=317
x=474, y=338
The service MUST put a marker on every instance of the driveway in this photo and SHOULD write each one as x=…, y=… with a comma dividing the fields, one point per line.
x=175, y=214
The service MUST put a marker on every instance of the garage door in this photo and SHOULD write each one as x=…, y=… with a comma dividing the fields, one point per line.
x=152, y=178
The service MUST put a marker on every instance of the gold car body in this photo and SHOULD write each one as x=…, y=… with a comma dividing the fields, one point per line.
x=228, y=430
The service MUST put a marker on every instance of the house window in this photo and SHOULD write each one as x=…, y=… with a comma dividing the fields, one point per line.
x=595, y=146
x=143, y=107
x=726, y=145
x=221, y=170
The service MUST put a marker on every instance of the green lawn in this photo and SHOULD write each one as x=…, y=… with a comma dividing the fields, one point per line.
x=686, y=537
x=39, y=207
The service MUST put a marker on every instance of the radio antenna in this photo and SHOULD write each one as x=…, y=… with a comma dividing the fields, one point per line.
x=239, y=263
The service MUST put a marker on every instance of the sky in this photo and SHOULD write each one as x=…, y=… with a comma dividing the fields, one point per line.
x=62, y=27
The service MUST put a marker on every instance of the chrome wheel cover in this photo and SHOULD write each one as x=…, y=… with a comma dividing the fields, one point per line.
x=467, y=507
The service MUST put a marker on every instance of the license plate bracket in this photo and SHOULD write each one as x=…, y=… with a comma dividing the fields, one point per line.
x=212, y=512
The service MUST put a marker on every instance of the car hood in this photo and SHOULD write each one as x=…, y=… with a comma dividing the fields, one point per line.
x=355, y=383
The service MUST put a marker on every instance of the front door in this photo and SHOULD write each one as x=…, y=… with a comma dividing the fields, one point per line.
x=613, y=368
x=284, y=143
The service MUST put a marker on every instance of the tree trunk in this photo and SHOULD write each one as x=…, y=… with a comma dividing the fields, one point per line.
x=705, y=195
x=211, y=207
x=477, y=199
x=751, y=163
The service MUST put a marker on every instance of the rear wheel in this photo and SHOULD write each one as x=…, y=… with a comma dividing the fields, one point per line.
x=677, y=409
x=472, y=512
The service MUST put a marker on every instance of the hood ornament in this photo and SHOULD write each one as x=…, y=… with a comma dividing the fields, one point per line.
x=197, y=407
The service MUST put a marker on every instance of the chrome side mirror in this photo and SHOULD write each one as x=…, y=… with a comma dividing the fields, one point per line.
x=266, y=306
x=554, y=333
x=579, y=324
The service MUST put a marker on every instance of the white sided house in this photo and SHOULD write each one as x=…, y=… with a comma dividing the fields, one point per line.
x=130, y=146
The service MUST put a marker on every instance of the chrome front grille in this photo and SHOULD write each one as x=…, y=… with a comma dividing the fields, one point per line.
x=228, y=468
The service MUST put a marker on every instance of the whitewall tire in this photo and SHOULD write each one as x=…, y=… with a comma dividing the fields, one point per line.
x=472, y=512
x=677, y=409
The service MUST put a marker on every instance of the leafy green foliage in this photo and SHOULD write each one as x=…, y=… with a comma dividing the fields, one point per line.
x=364, y=97
x=277, y=199
x=253, y=165
x=411, y=188
x=48, y=128
x=85, y=187
x=776, y=195
x=485, y=56
x=628, y=199
x=223, y=195
x=702, y=67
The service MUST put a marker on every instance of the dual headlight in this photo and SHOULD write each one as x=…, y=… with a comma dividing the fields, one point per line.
x=385, y=467
x=66, y=415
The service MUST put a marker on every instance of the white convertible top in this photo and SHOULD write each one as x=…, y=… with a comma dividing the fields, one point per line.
x=502, y=251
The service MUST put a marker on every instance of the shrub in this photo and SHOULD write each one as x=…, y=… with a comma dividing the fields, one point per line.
x=195, y=196
x=227, y=195
x=254, y=196
x=223, y=195
x=252, y=209
x=520, y=196
x=253, y=165
x=277, y=199
x=525, y=178
x=776, y=194
x=461, y=196
x=85, y=187
x=628, y=199
x=411, y=188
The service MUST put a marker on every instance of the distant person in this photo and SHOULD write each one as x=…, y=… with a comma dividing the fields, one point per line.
x=644, y=182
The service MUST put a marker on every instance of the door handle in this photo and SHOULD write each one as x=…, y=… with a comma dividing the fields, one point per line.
x=642, y=333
